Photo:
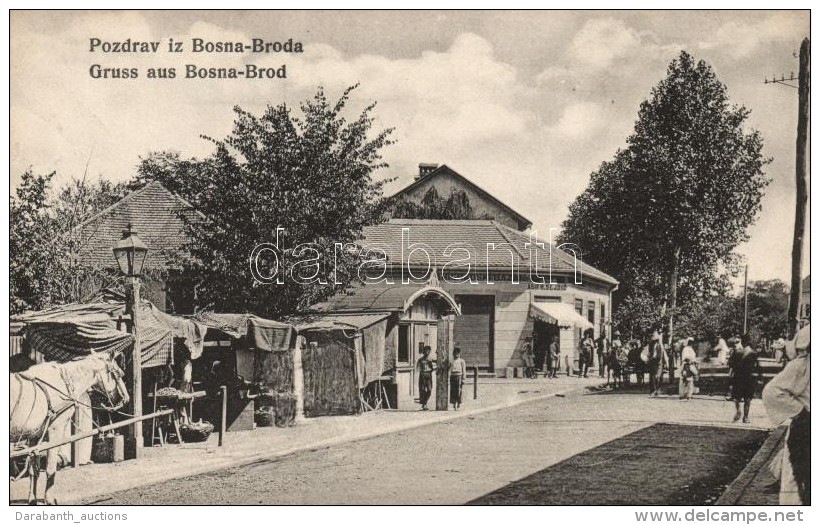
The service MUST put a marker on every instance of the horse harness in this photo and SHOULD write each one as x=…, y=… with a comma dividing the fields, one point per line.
x=53, y=412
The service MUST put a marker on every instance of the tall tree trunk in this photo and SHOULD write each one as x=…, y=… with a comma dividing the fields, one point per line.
x=802, y=196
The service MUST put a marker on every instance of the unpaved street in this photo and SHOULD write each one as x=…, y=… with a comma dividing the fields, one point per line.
x=452, y=462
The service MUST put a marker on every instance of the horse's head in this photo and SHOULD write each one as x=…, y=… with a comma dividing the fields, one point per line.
x=111, y=385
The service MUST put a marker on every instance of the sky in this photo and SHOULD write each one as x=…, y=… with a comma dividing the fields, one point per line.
x=524, y=104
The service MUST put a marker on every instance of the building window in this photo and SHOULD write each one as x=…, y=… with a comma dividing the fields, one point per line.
x=404, y=344
x=546, y=299
x=579, y=306
x=591, y=312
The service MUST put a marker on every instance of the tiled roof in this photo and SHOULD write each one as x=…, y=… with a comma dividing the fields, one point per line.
x=154, y=213
x=523, y=221
x=490, y=244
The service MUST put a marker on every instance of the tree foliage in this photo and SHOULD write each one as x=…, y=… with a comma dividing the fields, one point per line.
x=310, y=174
x=665, y=215
x=46, y=266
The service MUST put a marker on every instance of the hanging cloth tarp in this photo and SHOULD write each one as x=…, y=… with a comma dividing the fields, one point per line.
x=82, y=326
x=262, y=334
x=63, y=342
x=374, y=341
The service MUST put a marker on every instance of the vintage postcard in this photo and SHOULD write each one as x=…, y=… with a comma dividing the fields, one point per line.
x=409, y=258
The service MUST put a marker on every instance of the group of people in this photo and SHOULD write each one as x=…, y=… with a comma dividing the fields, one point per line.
x=425, y=368
x=552, y=359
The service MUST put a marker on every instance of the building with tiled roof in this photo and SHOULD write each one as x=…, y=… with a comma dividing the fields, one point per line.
x=158, y=218
x=508, y=285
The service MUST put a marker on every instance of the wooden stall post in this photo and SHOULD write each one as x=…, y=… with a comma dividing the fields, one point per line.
x=224, y=391
x=299, y=379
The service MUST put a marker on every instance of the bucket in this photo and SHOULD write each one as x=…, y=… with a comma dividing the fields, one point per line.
x=108, y=449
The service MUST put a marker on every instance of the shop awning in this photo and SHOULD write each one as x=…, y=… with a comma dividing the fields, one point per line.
x=560, y=314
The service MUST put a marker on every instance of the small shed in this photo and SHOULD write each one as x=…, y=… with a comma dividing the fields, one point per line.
x=408, y=317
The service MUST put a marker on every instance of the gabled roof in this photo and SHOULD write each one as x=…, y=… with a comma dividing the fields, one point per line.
x=491, y=245
x=444, y=169
x=154, y=213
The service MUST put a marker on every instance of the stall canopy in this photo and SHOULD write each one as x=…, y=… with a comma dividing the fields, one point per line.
x=336, y=321
x=65, y=333
x=260, y=334
x=369, y=348
x=560, y=314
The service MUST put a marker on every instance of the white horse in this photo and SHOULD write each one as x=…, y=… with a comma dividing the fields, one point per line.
x=42, y=402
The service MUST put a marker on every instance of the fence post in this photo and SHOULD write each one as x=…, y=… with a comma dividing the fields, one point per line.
x=224, y=390
x=75, y=429
x=475, y=382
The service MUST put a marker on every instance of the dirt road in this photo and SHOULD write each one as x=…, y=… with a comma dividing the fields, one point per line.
x=446, y=463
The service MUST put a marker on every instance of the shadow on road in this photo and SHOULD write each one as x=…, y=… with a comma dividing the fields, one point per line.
x=662, y=464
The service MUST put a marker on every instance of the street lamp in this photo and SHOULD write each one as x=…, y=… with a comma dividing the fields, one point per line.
x=130, y=253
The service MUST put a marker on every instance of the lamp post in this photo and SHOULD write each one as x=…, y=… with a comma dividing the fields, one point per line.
x=130, y=253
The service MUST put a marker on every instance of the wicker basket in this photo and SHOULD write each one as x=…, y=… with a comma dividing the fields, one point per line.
x=276, y=409
x=265, y=416
x=195, y=432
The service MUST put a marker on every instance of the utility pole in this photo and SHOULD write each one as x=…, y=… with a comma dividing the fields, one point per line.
x=801, y=176
x=801, y=173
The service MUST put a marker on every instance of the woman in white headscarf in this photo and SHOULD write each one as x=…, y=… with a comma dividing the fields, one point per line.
x=787, y=399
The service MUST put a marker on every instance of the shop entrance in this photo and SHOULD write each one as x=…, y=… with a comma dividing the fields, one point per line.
x=542, y=337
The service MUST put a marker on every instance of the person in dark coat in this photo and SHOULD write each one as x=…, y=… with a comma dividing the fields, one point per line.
x=586, y=351
x=743, y=367
x=424, y=367
x=602, y=346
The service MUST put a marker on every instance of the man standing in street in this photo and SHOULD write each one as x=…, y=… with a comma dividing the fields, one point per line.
x=602, y=347
x=743, y=366
x=554, y=357
x=586, y=352
x=527, y=358
x=656, y=363
x=688, y=370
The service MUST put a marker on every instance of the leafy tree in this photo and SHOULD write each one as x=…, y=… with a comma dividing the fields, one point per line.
x=46, y=242
x=31, y=254
x=311, y=175
x=768, y=308
x=433, y=206
x=671, y=207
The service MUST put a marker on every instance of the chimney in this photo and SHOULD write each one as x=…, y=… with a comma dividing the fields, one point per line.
x=425, y=169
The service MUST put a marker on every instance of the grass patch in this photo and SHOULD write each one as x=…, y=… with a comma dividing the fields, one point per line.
x=660, y=465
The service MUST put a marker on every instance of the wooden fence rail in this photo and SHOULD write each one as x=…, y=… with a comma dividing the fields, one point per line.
x=83, y=435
